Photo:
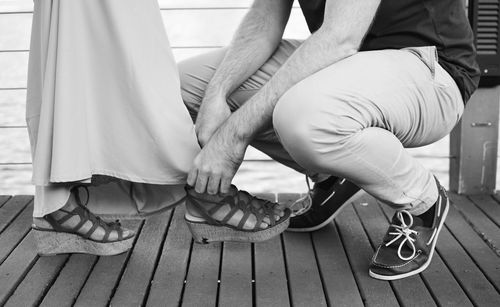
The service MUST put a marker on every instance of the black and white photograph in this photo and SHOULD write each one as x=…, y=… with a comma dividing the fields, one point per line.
x=251, y=153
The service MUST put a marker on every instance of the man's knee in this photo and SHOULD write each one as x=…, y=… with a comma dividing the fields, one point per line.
x=309, y=123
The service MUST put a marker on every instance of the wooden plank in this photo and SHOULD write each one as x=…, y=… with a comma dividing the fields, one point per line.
x=471, y=279
x=12, y=208
x=36, y=282
x=474, y=145
x=487, y=230
x=376, y=226
x=271, y=288
x=477, y=287
x=105, y=275
x=202, y=281
x=487, y=259
x=306, y=288
x=168, y=281
x=4, y=199
x=236, y=275
x=445, y=288
x=374, y=292
x=15, y=232
x=489, y=206
x=16, y=266
x=334, y=267
x=134, y=285
x=70, y=280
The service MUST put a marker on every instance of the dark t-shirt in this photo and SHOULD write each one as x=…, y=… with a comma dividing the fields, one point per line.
x=413, y=23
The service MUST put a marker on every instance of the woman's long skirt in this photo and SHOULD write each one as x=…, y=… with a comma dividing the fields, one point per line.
x=104, y=99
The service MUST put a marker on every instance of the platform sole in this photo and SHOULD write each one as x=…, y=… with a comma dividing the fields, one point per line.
x=51, y=243
x=204, y=233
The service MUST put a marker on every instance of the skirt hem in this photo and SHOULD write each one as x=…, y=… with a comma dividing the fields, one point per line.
x=88, y=176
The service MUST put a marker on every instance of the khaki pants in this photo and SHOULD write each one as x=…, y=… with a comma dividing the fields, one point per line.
x=352, y=119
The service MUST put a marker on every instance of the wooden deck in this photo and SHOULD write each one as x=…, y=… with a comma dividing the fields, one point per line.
x=325, y=268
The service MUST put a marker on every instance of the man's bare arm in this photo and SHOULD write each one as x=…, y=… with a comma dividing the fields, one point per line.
x=345, y=25
x=257, y=37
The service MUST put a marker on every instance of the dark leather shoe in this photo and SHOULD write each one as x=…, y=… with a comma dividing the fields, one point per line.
x=408, y=245
x=322, y=204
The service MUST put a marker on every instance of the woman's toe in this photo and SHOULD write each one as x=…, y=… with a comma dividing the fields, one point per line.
x=128, y=233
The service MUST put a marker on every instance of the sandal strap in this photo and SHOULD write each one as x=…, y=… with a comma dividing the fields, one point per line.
x=250, y=205
x=244, y=219
x=202, y=211
x=53, y=223
x=85, y=215
x=91, y=230
x=83, y=219
x=62, y=220
x=230, y=214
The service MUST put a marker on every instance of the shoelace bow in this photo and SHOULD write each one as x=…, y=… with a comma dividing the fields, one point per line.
x=403, y=230
x=304, y=203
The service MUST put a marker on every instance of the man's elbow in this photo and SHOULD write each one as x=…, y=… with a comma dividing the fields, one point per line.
x=344, y=43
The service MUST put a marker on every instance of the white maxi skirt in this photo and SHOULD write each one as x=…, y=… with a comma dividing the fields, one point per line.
x=104, y=99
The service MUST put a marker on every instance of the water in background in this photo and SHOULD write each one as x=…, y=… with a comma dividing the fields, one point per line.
x=258, y=176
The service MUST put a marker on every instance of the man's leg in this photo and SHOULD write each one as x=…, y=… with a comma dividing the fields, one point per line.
x=197, y=72
x=354, y=119
x=206, y=213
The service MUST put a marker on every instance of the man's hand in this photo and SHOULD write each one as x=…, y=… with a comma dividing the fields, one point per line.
x=216, y=164
x=257, y=37
x=213, y=113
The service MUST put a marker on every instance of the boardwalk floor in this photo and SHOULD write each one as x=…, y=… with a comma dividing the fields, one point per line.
x=325, y=268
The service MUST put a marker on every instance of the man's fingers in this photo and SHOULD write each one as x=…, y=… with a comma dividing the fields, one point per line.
x=191, y=179
x=213, y=184
x=201, y=183
x=225, y=184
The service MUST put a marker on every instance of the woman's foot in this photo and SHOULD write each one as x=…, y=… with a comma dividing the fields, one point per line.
x=236, y=216
x=74, y=229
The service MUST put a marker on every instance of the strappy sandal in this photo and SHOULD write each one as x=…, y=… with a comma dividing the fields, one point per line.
x=60, y=239
x=204, y=228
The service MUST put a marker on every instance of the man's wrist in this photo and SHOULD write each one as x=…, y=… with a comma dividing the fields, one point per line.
x=237, y=130
x=216, y=91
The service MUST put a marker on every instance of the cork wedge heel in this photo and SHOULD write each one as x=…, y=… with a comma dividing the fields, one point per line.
x=51, y=243
x=205, y=233
x=57, y=237
x=205, y=228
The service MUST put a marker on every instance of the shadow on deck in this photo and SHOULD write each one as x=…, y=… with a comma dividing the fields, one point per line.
x=328, y=267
